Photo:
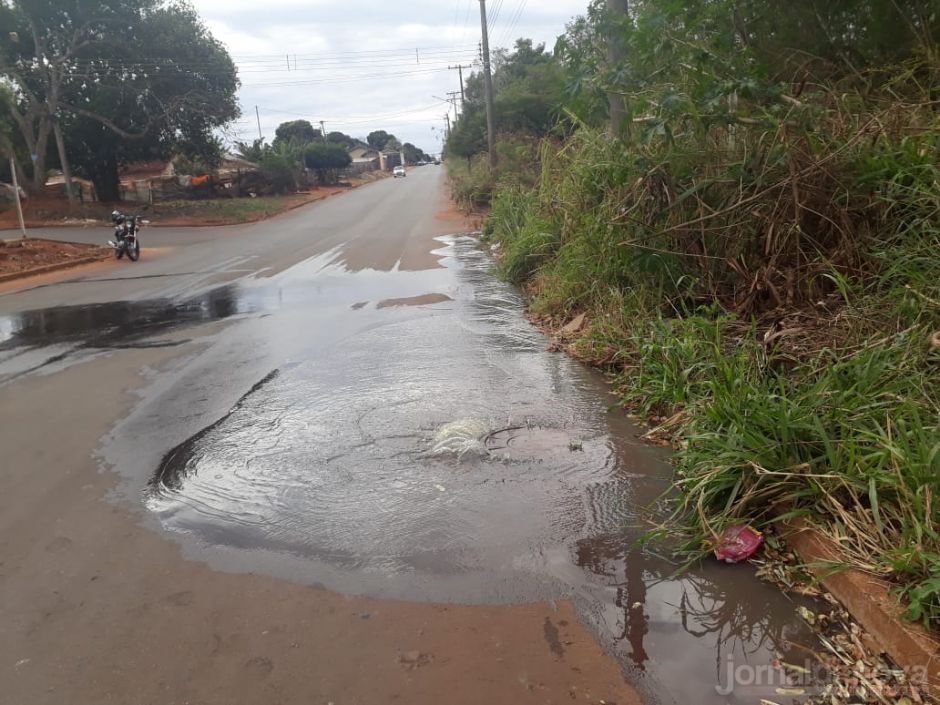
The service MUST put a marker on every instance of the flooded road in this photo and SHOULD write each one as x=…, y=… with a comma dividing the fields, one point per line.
x=296, y=433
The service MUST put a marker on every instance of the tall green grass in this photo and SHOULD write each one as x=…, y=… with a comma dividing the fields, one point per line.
x=771, y=302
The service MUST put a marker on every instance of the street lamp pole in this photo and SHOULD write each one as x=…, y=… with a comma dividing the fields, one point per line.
x=16, y=192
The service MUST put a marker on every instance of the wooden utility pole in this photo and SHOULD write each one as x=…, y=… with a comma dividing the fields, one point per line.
x=258, y=116
x=488, y=88
x=452, y=97
x=616, y=56
x=463, y=98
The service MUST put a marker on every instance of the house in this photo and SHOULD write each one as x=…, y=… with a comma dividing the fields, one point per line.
x=364, y=159
x=390, y=158
x=82, y=188
x=232, y=165
x=363, y=153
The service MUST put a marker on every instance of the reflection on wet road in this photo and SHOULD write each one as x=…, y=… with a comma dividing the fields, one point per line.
x=320, y=470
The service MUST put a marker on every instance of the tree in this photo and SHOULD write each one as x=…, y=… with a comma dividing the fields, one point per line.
x=8, y=135
x=327, y=160
x=341, y=138
x=76, y=72
x=280, y=165
x=297, y=132
x=468, y=138
x=253, y=152
x=379, y=139
x=413, y=154
x=529, y=88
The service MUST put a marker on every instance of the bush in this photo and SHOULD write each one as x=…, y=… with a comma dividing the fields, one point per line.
x=281, y=171
x=328, y=160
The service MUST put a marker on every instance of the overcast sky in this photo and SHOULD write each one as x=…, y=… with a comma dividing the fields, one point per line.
x=352, y=63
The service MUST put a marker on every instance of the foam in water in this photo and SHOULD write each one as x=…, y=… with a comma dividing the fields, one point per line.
x=461, y=438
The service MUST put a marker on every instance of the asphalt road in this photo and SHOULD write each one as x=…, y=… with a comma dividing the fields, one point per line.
x=326, y=459
x=114, y=592
x=377, y=226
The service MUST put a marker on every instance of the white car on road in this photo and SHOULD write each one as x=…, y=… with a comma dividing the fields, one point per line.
x=399, y=171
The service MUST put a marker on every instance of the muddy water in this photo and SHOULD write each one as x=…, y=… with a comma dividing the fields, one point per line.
x=297, y=443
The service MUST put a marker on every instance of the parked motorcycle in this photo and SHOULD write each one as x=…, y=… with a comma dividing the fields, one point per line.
x=126, y=240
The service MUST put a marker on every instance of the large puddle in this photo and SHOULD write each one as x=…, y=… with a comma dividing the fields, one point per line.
x=320, y=470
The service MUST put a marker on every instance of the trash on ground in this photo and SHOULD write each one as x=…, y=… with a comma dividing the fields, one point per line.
x=738, y=543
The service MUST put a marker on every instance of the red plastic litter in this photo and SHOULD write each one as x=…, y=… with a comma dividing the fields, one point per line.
x=738, y=543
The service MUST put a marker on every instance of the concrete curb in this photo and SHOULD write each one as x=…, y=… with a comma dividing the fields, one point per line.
x=870, y=602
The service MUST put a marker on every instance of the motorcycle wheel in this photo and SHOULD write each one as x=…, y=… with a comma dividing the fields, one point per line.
x=133, y=252
x=119, y=251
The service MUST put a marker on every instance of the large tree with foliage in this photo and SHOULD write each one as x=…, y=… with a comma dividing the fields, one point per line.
x=111, y=80
x=380, y=139
x=529, y=89
x=414, y=154
x=327, y=160
x=297, y=133
x=342, y=138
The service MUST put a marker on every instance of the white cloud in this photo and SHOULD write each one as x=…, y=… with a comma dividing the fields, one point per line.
x=355, y=58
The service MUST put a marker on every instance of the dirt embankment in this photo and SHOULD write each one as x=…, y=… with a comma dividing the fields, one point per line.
x=25, y=257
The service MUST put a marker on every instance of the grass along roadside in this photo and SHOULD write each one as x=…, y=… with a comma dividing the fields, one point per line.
x=770, y=301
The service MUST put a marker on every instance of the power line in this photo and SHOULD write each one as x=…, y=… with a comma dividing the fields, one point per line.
x=507, y=35
x=494, y=17
x=216, y=67
x=466, y=21
x=346, y=79
x=376, y=116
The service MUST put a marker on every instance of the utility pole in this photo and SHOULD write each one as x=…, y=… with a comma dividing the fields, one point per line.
x=488, y=88
x=16, y=193
x=453, y=99
x=460, y=69
x=447, y=117
x=323, y=130
x=258, y=115
x=616, y=56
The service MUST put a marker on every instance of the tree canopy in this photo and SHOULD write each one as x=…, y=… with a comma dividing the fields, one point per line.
x=528, y=85
x=75, y=67
x=297, y=132
x=341, y=138
x=327, y=160
x=414, y=154
x=380, y=139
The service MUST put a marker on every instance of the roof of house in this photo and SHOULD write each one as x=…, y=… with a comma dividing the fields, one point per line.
x=363, y=153
x=233, y=161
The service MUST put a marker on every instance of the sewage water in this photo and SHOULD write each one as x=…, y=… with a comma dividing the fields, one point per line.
x=299, y=446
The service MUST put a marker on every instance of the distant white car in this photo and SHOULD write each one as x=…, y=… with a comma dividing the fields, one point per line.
x=399, y=171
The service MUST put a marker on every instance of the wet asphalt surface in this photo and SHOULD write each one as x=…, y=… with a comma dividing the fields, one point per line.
x=294, y=437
